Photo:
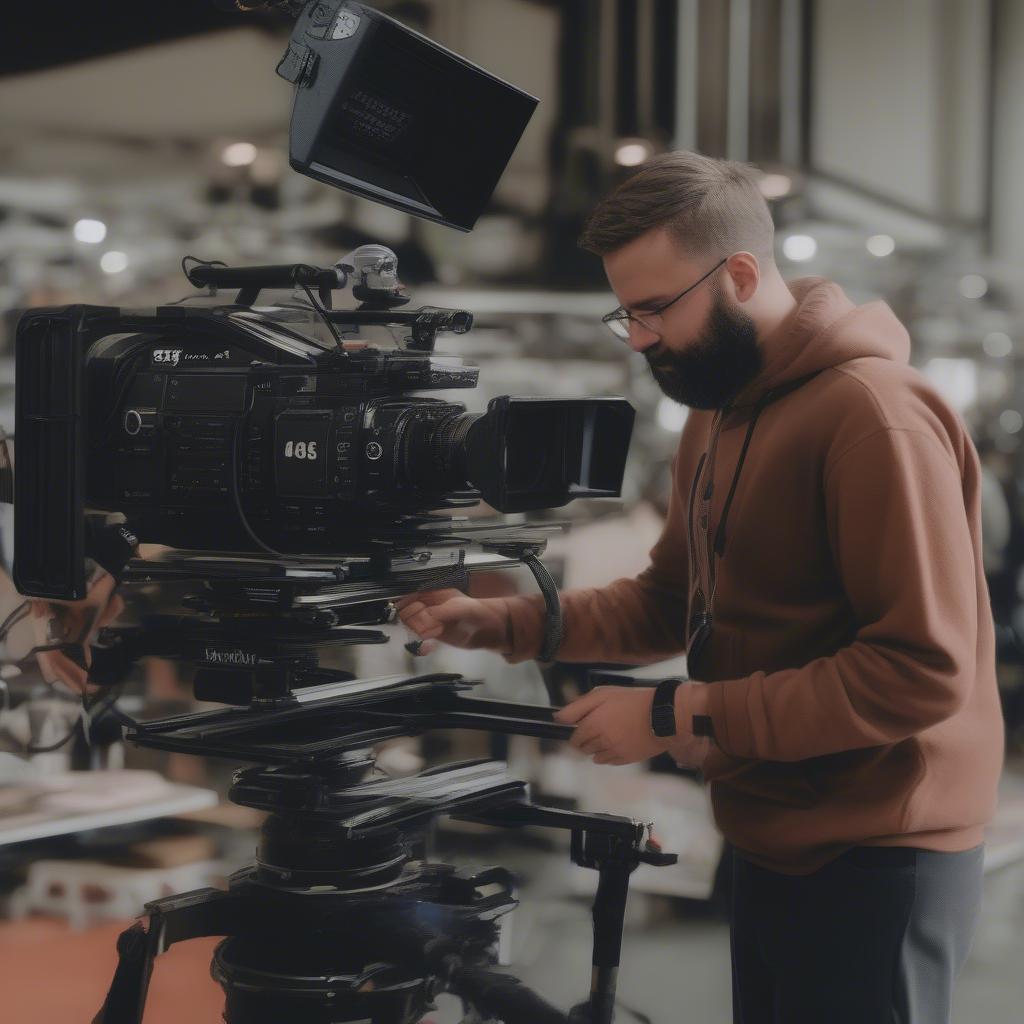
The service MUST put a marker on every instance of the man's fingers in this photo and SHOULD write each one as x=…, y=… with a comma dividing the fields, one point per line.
x=584, y=734
x=427, y=598
x=111, y=612
x=410, y=607
x=101, y=588
x=426, y=647
x=426, y=622
x=410, y=614
x=582, y=705
x=58, y=667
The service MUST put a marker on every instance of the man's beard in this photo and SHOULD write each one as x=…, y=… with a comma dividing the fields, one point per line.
x=724, y=358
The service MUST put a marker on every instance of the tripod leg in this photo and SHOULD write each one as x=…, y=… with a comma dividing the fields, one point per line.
x=609, y=914
x=174, y=919
x=126, y=997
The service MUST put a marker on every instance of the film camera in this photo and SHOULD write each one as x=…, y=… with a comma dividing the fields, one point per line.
x=223, y=428
x=303, y=480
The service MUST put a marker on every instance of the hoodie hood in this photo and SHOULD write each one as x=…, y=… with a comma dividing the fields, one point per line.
x=825, y=329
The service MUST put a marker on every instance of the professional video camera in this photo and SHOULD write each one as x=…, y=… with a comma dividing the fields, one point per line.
x=223, y=427
x=304, y=482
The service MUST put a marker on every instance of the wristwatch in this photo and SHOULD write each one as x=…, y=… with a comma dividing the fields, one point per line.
x=663, y=707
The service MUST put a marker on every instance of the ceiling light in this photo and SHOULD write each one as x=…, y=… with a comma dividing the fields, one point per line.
x=238, y=154
x=775, y=186
x=90, y=231
x=881, y=245
x=113, y=262
x=632, y=153
x=799, y=248
x=1011, y=421
x=997, y=344
x=973, y=286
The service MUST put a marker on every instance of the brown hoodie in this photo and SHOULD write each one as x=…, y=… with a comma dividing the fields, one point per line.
x=849, y=677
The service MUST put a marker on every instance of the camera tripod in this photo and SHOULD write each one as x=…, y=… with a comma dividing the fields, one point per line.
x=339, y=920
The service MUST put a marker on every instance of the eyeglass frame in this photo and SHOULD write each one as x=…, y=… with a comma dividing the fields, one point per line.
x=620, y=314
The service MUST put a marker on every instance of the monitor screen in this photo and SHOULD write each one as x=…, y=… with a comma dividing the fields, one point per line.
x=391, y=116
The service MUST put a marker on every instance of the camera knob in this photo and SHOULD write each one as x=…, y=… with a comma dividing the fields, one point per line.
x=137, y=420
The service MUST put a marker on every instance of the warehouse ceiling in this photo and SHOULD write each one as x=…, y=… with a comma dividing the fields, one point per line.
x=45, y=35
x=178, y=91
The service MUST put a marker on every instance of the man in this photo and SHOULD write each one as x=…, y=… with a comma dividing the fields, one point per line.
x=821, y=565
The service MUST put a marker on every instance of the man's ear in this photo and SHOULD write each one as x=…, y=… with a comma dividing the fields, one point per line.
x=745, y=274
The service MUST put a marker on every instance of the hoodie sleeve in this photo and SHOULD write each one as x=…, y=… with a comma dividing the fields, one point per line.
x=902, y=546
x=630, y=621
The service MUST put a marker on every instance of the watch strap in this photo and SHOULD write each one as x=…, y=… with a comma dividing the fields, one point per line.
x=663, y=707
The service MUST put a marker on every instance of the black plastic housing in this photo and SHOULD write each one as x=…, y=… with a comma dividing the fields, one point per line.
x=388, y=114
x=49, y=522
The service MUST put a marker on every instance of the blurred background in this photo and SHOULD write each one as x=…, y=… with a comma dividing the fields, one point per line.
x=890, y=145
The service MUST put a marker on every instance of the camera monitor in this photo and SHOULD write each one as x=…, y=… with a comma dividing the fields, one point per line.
x=386, y=113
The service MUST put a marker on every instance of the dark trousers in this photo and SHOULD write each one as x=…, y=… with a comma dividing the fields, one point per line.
x=877, y=936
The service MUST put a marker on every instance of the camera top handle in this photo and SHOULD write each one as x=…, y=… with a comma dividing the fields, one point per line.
x=376, y=308
x=251, y=280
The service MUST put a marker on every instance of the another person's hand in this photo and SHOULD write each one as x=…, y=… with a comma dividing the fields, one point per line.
x=74, y=623
x=449, y=616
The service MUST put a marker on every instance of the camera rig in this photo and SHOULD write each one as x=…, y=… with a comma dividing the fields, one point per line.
x=304, y=484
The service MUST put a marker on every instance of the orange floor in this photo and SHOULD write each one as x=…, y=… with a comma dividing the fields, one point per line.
x=52, y=975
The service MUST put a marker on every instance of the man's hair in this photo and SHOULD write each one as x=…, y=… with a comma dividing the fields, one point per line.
x=712, y=207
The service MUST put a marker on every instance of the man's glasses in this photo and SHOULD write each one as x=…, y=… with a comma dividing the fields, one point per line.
x=620, y=321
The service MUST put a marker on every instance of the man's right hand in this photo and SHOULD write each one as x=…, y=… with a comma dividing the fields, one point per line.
x=449, y=616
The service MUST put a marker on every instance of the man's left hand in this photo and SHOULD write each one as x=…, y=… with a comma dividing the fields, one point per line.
x=76, y=623
x=613, y=724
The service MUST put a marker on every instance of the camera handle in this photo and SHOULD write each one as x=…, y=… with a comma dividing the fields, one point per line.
x=527, y=553
x=250, y=281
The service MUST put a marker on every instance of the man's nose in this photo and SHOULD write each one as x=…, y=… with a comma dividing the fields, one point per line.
x=641, y=338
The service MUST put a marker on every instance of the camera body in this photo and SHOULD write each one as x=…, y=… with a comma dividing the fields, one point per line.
x=227, y=428
x=307, y=441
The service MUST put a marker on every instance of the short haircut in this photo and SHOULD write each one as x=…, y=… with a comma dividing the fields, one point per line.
x=713, y=208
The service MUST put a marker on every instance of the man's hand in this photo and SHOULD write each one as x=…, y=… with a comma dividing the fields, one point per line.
x=613, y=724
x=449, y=616
x=74, y=622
